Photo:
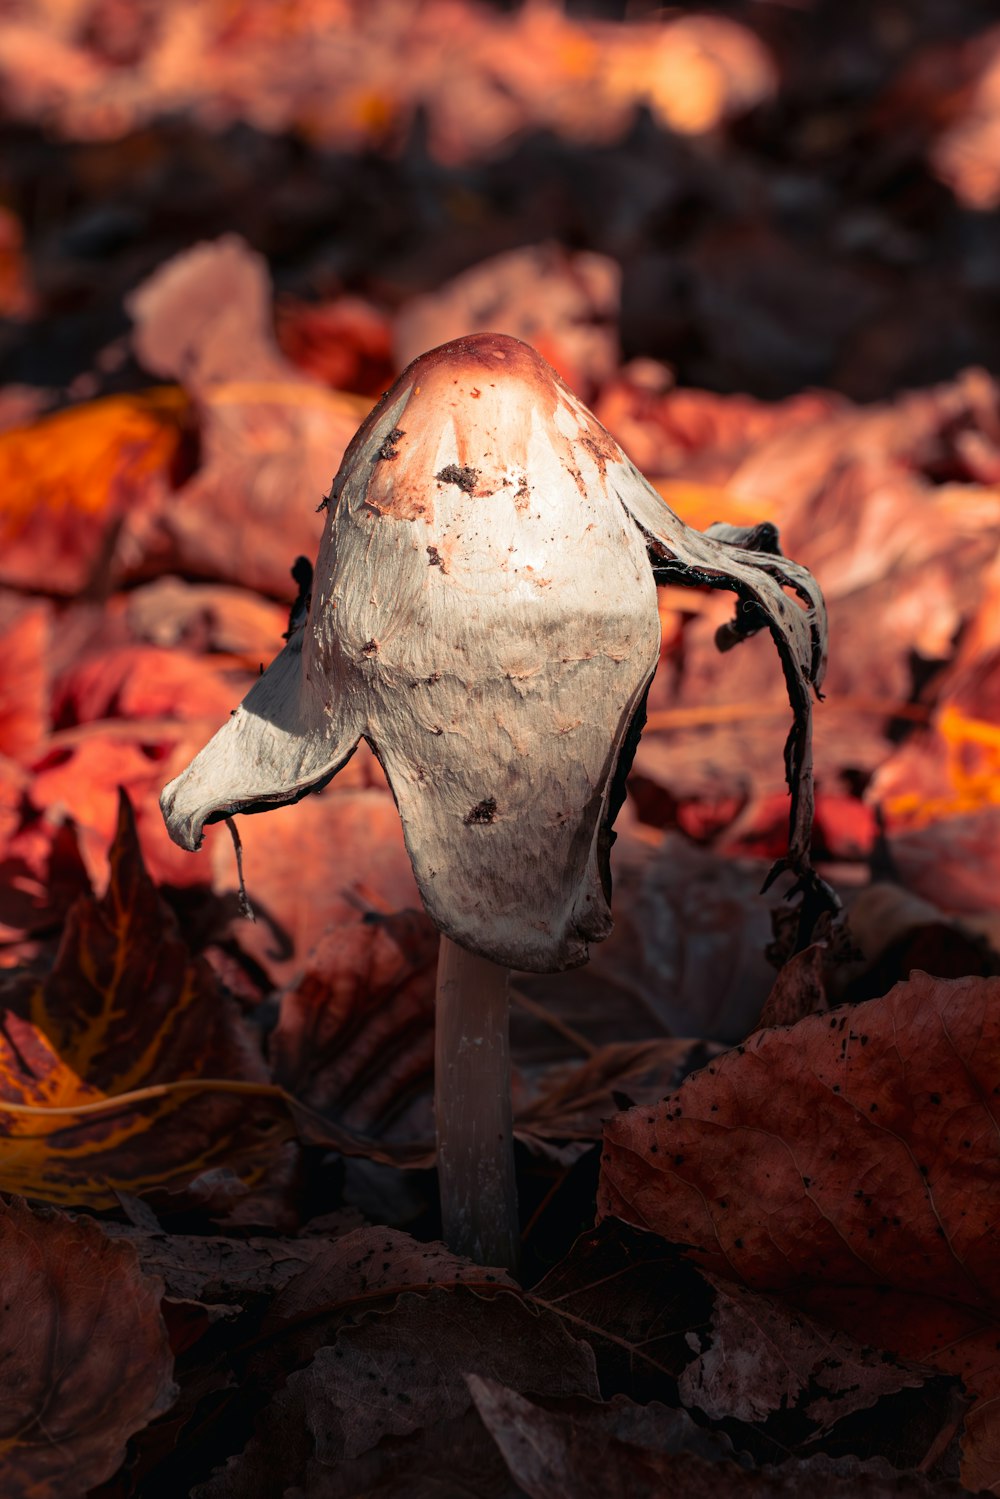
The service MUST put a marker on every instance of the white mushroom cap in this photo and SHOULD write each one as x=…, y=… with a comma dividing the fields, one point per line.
x=484, y=614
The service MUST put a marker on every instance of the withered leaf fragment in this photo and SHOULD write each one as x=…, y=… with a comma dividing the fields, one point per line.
x=84, y=1356
x=399, y=1375
x=126, y=1066
x=501, y=685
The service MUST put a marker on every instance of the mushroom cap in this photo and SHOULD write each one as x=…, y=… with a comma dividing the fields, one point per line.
x=484, y=614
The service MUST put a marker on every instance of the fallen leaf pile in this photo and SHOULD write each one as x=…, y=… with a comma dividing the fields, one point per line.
x=759, y=1187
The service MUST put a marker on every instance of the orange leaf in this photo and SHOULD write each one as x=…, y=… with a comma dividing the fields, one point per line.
x=71, y=480
x=851, y=1161
x=24, y=677
x=126, y=1068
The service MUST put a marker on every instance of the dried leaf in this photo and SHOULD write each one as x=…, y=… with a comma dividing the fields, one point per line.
x=571, y=1101
x=851, y=1162
x=212, y=1269
x=84, y=1356
x=126, y=1067
x=580, y=1449
x=799, y=990
x=565, y=305
x=355, y=1036
x=24, y=676
x=397, y=1375
x=81, y=489
x=270, y=437
x=366, y=1267
x=759, y=1358
x=313, y=867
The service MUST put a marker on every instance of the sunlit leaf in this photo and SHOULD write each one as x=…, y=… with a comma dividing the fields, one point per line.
x=77, y=485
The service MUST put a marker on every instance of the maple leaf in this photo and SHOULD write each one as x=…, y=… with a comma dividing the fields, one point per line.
x=851, y=1162
x=126, y=1067
x=84, y=1357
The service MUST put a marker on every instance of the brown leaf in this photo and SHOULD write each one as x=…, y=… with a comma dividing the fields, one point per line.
x=759, y=1357
x=24, y=676
x=310, y=867
x=663, y=1330
x=84, y=1357
x=565, y=305
x=686, y=956
x=583, y=1450
x=346, y=342
x=355, y=1036
x=850, y=1162
x=143, y=682
x=81, y=775
x=395, y=1375
x=212, y=1269
x=571, y=1101
x=799, y=990
x=206, y=617
x=365, y=1267
x=574, y=1449
x=41, y=874
x=126, y=1067
x=271, y=439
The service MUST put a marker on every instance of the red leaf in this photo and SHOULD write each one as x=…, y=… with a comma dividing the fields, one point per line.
x=852, y=1161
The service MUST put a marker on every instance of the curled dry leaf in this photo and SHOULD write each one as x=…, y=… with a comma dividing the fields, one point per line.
x=126, y=1067
x=84, y=1356
x=484, y=579
x=851, y=1162
x=799, y=989
x=759, y=1357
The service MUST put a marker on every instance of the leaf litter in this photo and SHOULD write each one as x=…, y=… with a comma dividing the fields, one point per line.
x=218, y=1226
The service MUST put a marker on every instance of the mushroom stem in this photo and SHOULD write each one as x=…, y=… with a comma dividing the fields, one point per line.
x=475, y=1141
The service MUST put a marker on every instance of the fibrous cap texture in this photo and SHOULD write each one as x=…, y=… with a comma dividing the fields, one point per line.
x=484, y=614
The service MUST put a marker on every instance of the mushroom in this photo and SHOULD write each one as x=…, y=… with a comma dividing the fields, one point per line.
x=484, y=615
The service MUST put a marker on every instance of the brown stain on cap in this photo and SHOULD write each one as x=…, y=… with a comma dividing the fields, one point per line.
x=455, y=382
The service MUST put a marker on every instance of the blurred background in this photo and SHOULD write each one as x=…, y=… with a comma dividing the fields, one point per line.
x=785, y=192
x=759, y=237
